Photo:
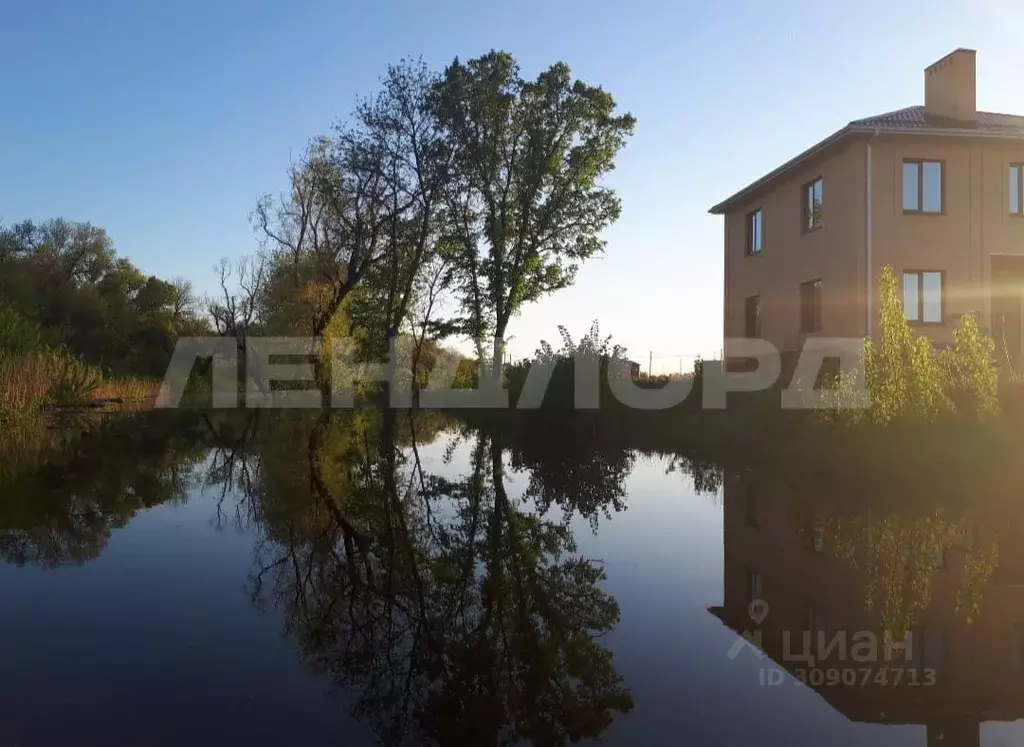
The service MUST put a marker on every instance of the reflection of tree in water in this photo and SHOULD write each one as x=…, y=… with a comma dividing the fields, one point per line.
x=65, y=510
x=456, y=617
x=577, y=475
x=707, y=477
x=898, y=556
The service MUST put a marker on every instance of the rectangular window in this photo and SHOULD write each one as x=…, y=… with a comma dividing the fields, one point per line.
x=810, y=306
x=814, y=619
x=923, y=186
x=755, y=233
x=1016, y=189
x=812, y=205
x=922, y=296
x=755, y=587
x=752, y=316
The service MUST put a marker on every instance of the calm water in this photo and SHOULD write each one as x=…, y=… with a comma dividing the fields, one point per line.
x=351, y=581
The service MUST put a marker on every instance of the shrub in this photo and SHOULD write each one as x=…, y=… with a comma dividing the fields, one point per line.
x=906, y=380
x=73, y=381
x=972, y=380
x=18, y=336
x=902, y=375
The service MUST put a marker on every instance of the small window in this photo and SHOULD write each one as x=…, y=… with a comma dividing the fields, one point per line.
x=1016, y=189
x=922, y=297
x=812, y=205
x=939, y=560
x=755, y=587
x=752, y=316
x=810, y=306
x=814, y=618
x=755, y=233
x=923, y=185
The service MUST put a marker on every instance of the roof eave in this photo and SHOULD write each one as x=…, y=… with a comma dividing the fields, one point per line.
x=723, y=207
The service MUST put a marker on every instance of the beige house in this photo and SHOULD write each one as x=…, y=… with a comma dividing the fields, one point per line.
x=936, y=191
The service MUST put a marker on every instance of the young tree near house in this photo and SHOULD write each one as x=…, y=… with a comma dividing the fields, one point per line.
x=525, y=204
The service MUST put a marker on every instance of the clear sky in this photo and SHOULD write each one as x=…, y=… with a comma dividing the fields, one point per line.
x=165, y=121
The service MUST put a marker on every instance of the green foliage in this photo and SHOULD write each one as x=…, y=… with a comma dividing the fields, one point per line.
x=971, y=376
x=18, y=335
x=467, y=374
x=64, y=286
x=74, y=381
x=898, y=555
x=902, y=374
x=906, y=380
x=528, y=156
x=561, y=389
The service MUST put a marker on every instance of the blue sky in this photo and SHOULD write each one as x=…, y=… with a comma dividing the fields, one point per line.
x=165, y=121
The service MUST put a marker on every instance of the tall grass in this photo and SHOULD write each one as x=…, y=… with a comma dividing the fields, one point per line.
x=33, y=381
x=25, y=381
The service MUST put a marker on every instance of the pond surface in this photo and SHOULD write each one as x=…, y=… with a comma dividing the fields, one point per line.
x=381, y=579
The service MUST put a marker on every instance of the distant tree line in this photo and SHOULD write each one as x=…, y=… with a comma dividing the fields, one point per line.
x=62, y=285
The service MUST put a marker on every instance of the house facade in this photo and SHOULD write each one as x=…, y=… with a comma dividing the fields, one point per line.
x=936, y=191
x=812, y=578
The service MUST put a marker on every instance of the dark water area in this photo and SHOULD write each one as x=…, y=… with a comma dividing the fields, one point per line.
x=378, y=578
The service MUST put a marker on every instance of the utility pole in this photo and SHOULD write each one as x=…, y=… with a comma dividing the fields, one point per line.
x=650, y=364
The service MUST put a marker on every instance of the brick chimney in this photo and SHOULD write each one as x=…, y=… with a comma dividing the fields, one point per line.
x=950, y=86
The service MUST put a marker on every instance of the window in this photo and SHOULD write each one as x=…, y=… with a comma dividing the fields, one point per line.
x=810, y=306
x=814, y=619
x=755, y=233
x=1016, y=189
x=752, y=316
x=923, y=186
x=811, y=205
x=755, y=587
x=922, y=296
x=939, y=560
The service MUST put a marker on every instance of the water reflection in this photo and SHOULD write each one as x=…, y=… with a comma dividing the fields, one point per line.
x=443, y=580
x=839, y=578
x=456, y=613
x=64, y=511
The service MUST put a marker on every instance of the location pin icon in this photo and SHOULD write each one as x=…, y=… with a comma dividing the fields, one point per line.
x=758, y=611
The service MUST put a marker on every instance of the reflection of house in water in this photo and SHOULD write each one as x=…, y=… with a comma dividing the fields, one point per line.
x=779, y=553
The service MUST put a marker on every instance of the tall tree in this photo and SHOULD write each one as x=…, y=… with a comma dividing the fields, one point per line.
x=415, y=161
x=525, y=199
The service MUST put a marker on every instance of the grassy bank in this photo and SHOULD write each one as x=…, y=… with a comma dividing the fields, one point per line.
x=34, y=382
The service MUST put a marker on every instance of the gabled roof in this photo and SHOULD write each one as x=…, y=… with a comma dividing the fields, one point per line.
x=912, y=120
x=915, y=118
